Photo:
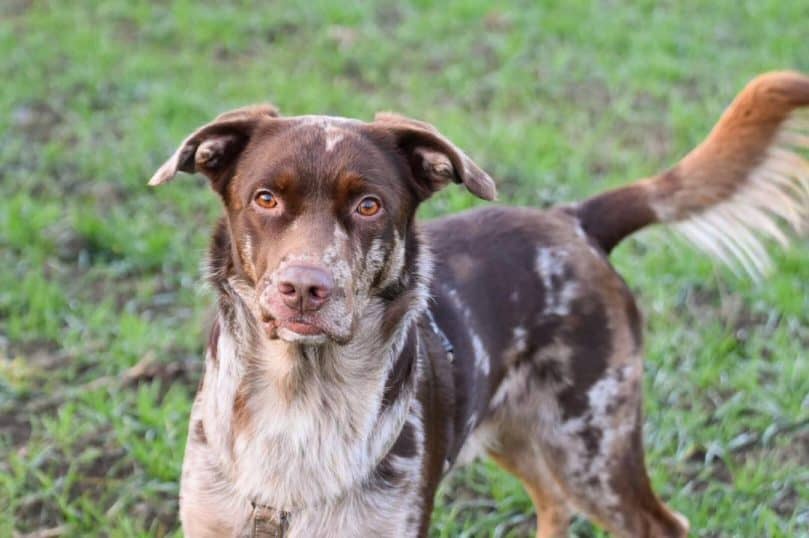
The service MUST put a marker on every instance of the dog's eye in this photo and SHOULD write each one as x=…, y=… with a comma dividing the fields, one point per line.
x=266, y=199
x=369, y=206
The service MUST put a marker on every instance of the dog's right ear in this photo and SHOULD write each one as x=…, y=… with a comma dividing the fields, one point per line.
x=434, y=160
x=212, y=149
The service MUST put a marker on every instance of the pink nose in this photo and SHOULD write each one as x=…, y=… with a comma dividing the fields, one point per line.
x=304, y=287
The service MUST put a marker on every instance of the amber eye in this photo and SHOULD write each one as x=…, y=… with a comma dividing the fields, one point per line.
x=266, y=199
x=369, y=206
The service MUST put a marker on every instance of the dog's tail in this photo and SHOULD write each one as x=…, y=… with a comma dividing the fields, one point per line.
x=746, y=181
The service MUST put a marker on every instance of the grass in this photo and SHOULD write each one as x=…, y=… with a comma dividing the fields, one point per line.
x=102, y=313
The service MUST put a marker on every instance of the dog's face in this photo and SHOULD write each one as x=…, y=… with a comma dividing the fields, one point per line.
x=319, y=208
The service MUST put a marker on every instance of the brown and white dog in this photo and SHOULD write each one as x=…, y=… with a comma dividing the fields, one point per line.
x=356, y=356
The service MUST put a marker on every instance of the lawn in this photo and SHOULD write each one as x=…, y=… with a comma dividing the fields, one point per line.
x=103, y=313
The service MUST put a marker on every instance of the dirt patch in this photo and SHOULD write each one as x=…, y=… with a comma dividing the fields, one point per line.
x=592, y=95
x=706, y=303
x=13, y=429
x=281, y=30
x=36, y=121
x=353, y=72
x=389, y=16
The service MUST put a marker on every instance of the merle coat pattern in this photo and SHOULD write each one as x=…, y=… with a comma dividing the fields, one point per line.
x=329, y=398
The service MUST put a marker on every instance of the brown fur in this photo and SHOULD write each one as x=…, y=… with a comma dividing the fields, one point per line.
x=346, y=409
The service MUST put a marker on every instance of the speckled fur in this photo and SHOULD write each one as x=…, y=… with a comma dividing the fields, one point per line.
x=351, y=431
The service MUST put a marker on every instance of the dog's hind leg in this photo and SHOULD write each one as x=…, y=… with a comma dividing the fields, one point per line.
x=590, y=461
x=524, y=461
x=597, y=460
x=612, y=489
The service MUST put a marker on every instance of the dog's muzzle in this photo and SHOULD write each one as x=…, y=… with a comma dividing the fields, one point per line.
x=292, y=304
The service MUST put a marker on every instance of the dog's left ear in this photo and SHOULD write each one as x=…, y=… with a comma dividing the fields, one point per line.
x=434, y=160
x=212, y=148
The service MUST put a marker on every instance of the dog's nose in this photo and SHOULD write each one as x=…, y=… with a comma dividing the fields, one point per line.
x=304, y=287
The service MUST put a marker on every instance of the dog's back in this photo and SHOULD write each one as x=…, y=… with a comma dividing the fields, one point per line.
x=549, y=335
x=513, y=282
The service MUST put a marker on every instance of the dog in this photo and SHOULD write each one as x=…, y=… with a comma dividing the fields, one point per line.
x=357, y=356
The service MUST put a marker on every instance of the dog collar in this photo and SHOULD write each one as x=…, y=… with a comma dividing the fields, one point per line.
x=267, y=522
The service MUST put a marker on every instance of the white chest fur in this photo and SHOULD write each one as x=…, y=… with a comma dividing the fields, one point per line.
x=316, y=446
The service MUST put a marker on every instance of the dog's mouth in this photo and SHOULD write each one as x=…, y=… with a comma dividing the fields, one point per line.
x=298, y=329
x=301, y=327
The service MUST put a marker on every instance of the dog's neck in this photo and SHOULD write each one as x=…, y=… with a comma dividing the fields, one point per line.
x=294, y=426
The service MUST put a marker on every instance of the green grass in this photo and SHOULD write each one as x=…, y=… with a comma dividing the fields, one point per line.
x=558, y=100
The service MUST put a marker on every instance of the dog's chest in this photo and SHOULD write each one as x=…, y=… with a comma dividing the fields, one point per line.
x=327, y=442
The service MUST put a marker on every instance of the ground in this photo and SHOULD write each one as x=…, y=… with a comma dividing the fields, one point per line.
x=102, y=309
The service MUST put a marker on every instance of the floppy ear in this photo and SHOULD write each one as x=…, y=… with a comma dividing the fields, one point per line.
x=434, y=160
x=213, y=148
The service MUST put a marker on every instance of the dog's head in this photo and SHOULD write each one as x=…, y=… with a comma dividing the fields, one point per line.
x=318, y=209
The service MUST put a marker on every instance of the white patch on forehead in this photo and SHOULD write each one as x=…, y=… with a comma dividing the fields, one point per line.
x=324, y=120
x=560, y=288
x=334, y=128
x=333, y=136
